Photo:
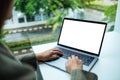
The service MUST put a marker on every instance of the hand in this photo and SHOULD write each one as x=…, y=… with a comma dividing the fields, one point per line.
x=49, y=55
x=73, y=63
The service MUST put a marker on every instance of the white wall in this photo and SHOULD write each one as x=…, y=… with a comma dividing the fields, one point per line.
x=117, y=23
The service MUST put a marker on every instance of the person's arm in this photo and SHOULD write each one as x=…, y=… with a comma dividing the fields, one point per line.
x=10, y=69
x=28, y=58
x=77, y=74
x=74, y=67
x=32, y=58
x=13, y=69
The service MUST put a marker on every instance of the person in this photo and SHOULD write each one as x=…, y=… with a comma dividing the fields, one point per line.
x=22, y=67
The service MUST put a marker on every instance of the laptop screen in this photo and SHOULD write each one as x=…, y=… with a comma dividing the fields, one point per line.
x=82, y=35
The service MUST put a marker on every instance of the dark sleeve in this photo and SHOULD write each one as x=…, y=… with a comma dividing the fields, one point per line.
x=78, y=74
x=28, y=58
x=11, y=69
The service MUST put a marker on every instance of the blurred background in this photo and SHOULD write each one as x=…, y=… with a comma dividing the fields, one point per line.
x=39, y=22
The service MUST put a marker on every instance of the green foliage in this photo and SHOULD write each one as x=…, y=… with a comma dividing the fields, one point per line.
x=44, y=39
x=23, y=44
x=14, y=46
x=88, y=2
x=97, y=7
x=58, y=9
x=2, y=35
x=57, y=18
x=111, y=28
x=30, y=7
x=110, y=13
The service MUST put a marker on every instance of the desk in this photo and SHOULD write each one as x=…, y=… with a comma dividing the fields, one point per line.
x=107, y=67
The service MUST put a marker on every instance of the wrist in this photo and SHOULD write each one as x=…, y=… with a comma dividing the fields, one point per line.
x=74, y=69
x=38, y=56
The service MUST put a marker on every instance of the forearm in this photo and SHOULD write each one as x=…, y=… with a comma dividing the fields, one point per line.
x=78, y=74
x=28, y=58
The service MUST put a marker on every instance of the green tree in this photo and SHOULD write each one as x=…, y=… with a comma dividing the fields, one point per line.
x=28, y=7
x=54, y=7
x=2, y=35
x=110, y=14
x=88, y=2
x=59, y=9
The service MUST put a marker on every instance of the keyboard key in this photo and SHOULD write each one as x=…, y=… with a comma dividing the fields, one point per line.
x=85, y=58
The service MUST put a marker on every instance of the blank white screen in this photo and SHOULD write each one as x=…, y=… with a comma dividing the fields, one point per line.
x=82, y=35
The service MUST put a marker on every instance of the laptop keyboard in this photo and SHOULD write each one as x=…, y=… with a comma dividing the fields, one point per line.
x=85, y=58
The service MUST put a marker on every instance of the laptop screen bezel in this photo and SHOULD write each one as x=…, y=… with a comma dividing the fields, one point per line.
x=80, y=49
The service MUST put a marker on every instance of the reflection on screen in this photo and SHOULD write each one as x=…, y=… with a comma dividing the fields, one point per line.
x=82, y=35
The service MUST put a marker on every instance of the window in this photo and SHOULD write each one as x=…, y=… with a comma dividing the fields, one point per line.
x=41, y=23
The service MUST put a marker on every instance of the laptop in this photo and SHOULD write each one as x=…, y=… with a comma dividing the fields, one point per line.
x=82, y=38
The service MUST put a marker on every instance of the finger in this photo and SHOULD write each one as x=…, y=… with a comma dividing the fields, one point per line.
x=58, y=53
x=54, y=49
x=69, y=58
x=76, y=57
x=51, y=52
x=73, y=56
x=66, y=65
x=57, y=50
x=80, y=60
x=54, y=57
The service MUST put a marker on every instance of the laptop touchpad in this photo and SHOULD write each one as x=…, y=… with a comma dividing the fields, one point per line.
x=59, y=63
